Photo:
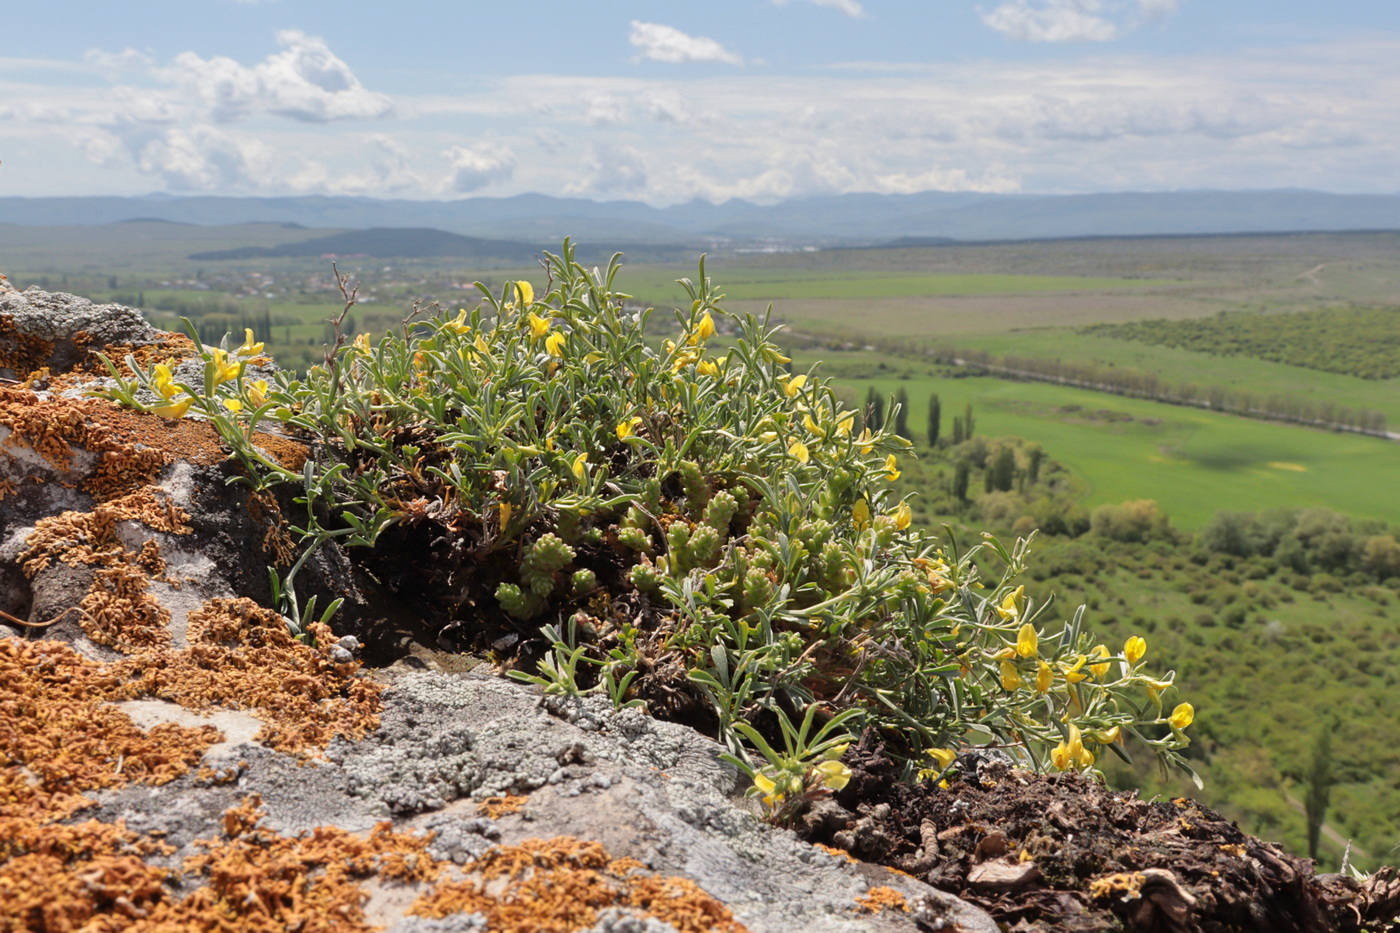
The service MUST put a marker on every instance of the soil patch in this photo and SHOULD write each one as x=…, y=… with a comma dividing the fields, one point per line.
x=1063, y=852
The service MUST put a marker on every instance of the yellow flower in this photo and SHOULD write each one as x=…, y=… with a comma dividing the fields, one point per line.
x=504, y=510
x=249, y=348
x=794, y=385
x=891, y=468
x=1082, y=755
x=1073, y=673
x=526, y=292
x=1134, y=648
x=903, y=515
x=844, y=425
x=705, y=329
x=161, y=382
x=860, y=514
x=835, y=774
x=771, y=354
x=1009, y=610
x=593, y=357
x=627, y=427
x=174, y=410
x=1071, y=751
x=257, y=392
x=1044, y=678
x=944, y=756
x=1027, y=641
x=1155, y=688
x=707, y=368
x=233, y=404
x=580, y=467
x=1182, y=716
x=863, y=441
x=812, y=426
x=554, y=344
x=768, y=787
x=480, y=343
x=798, y=450
x=458, y=325
x=224, y=368
x=1010, y=677
x=1101, y=668
x=539, y=326
x=1108, y=736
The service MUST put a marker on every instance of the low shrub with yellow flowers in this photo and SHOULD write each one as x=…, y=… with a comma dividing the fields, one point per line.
x=688, y=526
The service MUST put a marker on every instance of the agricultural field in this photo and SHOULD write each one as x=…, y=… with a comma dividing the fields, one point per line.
x=1192, y=462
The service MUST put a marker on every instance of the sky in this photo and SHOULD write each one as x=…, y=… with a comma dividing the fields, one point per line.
x=662, y=101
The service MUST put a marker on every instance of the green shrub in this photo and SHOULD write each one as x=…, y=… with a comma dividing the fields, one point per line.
x=685, y=526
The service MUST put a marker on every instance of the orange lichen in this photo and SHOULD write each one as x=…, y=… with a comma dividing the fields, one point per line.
x=841, y=853
x=559, y=885
x=59, y=738
x=21, y=352
x=262, y=882
x=277, y=540
x=117, y=610
x=168, y=348
x=241, y=656
x=497, y=807
x=882, y=898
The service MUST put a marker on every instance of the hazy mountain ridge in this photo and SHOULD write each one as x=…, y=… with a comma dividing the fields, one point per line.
x=849, y=219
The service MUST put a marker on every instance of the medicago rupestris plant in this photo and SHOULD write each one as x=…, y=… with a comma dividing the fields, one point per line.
x=689, y=525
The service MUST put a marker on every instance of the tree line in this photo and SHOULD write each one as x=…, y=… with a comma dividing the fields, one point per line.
x=1136, y=384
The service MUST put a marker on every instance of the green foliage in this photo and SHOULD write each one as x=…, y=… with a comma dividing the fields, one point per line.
x=721, y=540
x=1130, y=522
x=935, y=419
x=1362, y=342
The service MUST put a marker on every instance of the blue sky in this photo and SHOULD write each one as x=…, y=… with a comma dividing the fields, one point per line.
x=663, y=101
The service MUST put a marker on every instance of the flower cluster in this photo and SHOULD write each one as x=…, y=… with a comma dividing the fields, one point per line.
x=687, y=525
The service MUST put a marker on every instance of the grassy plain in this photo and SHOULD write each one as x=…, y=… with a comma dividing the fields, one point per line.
x=1185, y=366
x=1193, y=462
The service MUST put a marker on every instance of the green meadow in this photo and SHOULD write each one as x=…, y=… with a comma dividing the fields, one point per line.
x=1174, y=366
x=747, y=284
x=1194, y=463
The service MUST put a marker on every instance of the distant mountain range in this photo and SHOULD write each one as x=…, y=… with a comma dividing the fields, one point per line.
x=840, y=220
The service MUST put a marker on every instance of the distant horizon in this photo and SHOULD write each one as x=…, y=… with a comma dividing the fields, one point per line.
x=698, y=199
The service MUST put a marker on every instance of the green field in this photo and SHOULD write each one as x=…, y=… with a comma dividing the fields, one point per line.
x=1194, y=463
x=1177, y=366
x=790, y=285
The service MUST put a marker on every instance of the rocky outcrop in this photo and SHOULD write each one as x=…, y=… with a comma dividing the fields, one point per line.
x=172, y=755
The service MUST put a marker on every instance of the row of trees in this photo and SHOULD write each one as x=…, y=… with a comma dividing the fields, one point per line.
x=963, y=425
x=1274, y=407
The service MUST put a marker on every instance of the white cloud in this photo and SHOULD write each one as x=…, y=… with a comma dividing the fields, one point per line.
x=612, y=170
x=203, y=158
x=116, y=62
x=305, y=81
x=606, y=110
x=667, y=44
x=850, y=7
x=1052, y=21
x=1158, y=9
x=668, y=107
x=476, y=167
x=1074, y=20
